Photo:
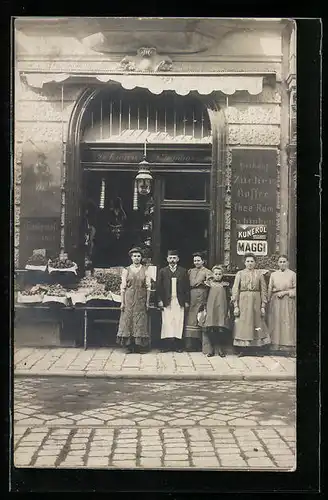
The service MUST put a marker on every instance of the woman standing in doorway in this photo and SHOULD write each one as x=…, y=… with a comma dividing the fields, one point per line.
x=282, y=307
x=198, y=296
x=135, y=293
x=249, y=296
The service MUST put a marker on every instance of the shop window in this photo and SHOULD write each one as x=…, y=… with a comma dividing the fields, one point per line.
x=123, y=116
x=186, y=186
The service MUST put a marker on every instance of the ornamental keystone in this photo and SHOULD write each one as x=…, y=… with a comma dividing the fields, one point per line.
x=146, y=60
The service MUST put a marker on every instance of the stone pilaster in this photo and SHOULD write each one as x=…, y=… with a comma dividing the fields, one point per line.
x=227, y=210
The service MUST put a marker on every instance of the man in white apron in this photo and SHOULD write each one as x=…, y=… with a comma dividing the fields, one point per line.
x=173, y=293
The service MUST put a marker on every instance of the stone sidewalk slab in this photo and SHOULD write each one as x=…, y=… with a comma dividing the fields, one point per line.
x=33, y=449
x=115, y=363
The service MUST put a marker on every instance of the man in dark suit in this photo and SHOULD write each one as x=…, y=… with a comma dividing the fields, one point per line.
x=173, y=294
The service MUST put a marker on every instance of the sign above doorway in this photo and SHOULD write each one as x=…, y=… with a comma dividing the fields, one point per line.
x=92, y=154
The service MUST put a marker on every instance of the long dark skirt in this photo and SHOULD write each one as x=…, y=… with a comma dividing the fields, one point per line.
x=193, y=332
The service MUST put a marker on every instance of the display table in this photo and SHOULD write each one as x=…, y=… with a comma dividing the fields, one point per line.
x=84, y=309
x=81, y=314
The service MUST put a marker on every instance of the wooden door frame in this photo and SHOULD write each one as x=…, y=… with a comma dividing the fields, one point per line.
x=73, y=233
x=73, y=179
x=157, y=227
x=162, y=204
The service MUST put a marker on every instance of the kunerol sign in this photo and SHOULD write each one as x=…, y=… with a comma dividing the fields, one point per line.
x=252, y=239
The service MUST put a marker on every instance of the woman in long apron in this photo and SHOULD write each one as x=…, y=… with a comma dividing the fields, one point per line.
x=282, y=308
x=198, y=296
x=249, y=296
x=135, y=293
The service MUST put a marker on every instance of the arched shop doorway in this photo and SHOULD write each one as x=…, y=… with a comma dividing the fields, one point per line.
x=183, y=139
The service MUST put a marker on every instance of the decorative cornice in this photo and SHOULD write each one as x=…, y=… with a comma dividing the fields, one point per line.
x=188, y=58
x=254, y=135
x=110, y=35
x=86, y=67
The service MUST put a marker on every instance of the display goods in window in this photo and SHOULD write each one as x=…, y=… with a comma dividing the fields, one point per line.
x=33, y=295
x=62, y=265
x=36, y=262
x=56, y=294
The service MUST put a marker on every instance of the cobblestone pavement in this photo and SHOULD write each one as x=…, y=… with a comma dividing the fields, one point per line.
x=202, y=424
x=115, y=361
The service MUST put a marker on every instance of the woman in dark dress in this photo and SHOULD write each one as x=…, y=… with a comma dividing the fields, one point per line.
x=198, y=296
x=135, y=293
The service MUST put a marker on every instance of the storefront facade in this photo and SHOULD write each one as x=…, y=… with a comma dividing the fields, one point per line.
x=210, y=109
x=238, y=108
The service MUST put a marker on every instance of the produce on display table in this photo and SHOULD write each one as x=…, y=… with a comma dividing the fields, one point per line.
x=98, y=293
x=34, y=295
x=59, y=263
x=104, y=285
x=62, y=265
x=56, y=293
x=36, y=262
x=87, y=282
x=111, y=279
x=112, y=282
x=98, y=272
x=56, y=290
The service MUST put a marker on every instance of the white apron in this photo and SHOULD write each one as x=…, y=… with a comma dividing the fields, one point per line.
x=172, y=316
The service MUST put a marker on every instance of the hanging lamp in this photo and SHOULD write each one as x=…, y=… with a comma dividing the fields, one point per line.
x=143, y=180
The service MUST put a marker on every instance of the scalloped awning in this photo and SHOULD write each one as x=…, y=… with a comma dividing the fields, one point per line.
x=158, y=83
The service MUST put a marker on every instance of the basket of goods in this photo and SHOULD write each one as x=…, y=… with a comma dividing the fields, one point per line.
x=62, y=270
x=98, y=294
x=112, y=284
x=99, y=272
x=60, y=265
x=111, y=279
x=78, y=295
x=87, y=283
x=56, y=294
x=34, y=295
x=37, y=262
